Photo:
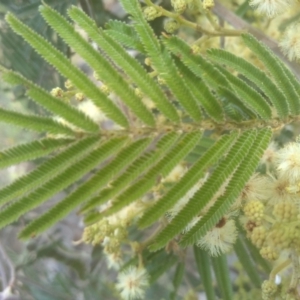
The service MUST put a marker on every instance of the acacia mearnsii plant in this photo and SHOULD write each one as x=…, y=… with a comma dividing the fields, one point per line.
x=179, y=146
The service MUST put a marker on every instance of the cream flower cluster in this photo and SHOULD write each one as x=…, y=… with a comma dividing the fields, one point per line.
x=271, y=8
x=271, y=206
x=132, y=283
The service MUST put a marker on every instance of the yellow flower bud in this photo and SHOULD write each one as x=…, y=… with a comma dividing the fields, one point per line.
x=68, y=84
x=79, y=97
x=171, y=26
x=254, y=210
x=179, y=6
x=268, y=253
x=105, y=89
x=269, y=289
x=151, y=13
x=258, y=236
x=208, y=4
x=285, y=211
x=57, y=92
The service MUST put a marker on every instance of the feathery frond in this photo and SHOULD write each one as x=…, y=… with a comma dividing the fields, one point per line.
x=65, y=67
x=123, y=60
x=163, y=168
x=210, y=157
x=240, y=177
x=275, y=95
x=136, y=169
x=31, y=151
x=35, y=123
x=282, y=76
x=91, y=186
x=102, y=67
x=202, y=197
x=52, y=104
x=49, y=169
x=162, y=60
x=64, y=179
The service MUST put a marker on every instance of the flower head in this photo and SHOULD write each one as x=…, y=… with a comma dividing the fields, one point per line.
x=290, y=43
x=255, y=188
x=220, y=239
x=288, y=162
x=271, y=8
x=132, y=283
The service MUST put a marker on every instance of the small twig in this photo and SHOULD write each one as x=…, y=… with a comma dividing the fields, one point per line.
x=181, y=20
x=279, y=268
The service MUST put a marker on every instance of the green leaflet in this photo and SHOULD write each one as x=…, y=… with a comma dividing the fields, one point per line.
x=246, y=167
x=63, y=180
x=254, y=252
x=275, y=95
x=136, y=169
x=202, y=197
x=252, y=99
x=30, y=151
x=163, y=168
x=281, y=74
x=222, y=272
x=193, y=175
x=203, y=265
x=52, y=104
x=65, y=67
x=35, y=123
x=127, y=63
x=235, y=104
x=124, y=34
x=204, y=96
x=246, y=261
x=177, y=279
x=162, y=61
x=49, y=169
x=102, y=67
x=196, y=63
x=102, y=177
